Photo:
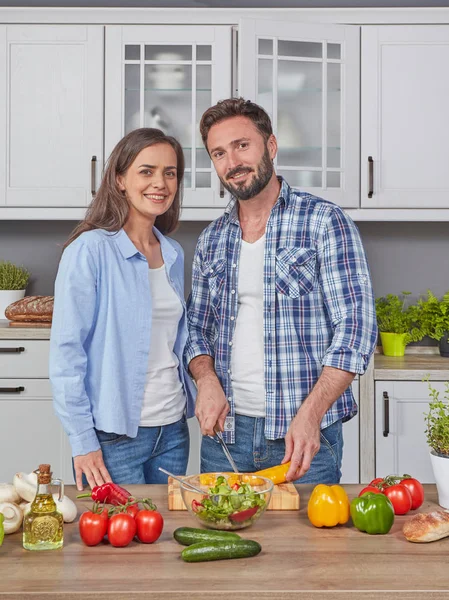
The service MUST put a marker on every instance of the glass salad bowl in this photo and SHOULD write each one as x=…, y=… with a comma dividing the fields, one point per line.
x=228, y=501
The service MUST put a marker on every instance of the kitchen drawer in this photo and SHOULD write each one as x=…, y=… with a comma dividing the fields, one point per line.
x=24, y=358
x=24, y=389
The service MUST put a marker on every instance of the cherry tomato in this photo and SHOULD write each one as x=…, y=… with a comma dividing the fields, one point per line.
x=196, y=506
x=93, y=527
x=370, y=488
x=400, y=497
x=416, y=490
x=132, y=510
x=121, y=529
x=149, y=525
x=243, y=515
x=236, y=486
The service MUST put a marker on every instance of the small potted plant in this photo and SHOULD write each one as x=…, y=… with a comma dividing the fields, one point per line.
x=437, y=431
x=398, y=324
x=434, y=319
x=13, y=282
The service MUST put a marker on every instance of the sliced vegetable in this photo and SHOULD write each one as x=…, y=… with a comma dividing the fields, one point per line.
x=372, y=513
x=328, y=506
x=205, y=551
x=243, y=515
x=191, y=535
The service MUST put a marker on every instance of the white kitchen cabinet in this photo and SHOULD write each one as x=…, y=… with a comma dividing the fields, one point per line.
x=404, y=117
x=30, y=432
x=51, y=115
x=307, y=79
x=401, y=445
x=166, y=77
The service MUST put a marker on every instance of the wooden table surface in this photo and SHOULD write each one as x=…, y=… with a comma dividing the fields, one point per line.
x=297, y=561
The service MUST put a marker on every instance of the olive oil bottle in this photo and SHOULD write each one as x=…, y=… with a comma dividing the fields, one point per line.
x=42, y=525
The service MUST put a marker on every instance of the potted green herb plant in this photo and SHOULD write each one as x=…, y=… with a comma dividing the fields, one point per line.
x=434, y=319
x=13, y=282
x=437, y=431
x=397, y=323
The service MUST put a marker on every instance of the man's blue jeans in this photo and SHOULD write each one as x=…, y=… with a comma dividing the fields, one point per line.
x=253, y=452
x=137, y=460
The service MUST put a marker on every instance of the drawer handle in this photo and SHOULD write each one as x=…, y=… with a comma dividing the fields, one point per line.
x=12, y=350
x=93, y=170
x=221, y=190
x=370, y=177
x=13, y=390
x=386, y=414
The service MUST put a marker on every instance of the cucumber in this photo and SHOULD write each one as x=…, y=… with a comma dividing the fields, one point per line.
x=191, y=535
x=220, y=550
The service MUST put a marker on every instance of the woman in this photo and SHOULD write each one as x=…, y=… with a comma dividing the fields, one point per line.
x=119, y=324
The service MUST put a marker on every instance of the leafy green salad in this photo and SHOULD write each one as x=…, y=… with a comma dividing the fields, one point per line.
x=229, y=507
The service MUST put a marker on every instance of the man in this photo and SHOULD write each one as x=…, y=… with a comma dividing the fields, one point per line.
x=281, y=314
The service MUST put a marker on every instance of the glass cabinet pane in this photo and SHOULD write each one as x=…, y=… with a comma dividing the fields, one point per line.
x=266, y=47
x=300, y=49
x=334, y=115
x=176, y=92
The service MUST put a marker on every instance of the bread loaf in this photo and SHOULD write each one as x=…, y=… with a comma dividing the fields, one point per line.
x=32, y=309
x=427, y=527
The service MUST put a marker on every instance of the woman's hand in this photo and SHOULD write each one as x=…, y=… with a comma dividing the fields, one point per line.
x=93, y=467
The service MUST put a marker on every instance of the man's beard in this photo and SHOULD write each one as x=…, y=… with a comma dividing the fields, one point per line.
x=259, y=182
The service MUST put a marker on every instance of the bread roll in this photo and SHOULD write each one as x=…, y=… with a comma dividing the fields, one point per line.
x=32, y=309
x=427, y=527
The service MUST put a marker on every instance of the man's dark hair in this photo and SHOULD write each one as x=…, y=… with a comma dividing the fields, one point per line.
x=235, y=107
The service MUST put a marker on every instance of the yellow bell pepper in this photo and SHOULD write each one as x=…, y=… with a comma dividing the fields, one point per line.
x=328, y=506
x=276, y=474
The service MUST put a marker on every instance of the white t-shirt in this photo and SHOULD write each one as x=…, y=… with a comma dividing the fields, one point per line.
x=247, y=358
x=164, y=400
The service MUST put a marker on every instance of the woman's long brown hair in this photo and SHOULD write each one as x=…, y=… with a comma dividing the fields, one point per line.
x=109, y=209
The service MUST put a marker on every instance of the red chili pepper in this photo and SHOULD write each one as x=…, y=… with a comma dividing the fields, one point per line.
x=108, y=493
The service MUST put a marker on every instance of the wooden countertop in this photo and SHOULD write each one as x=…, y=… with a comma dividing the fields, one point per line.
x=297, y=561
x=411, y=367
x=22, y=333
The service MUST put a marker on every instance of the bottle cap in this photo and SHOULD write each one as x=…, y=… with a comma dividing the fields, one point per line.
x=44, y=474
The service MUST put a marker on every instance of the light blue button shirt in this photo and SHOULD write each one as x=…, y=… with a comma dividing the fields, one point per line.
x=101, y=335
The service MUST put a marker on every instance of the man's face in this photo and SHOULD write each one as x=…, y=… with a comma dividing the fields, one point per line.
x=241, y=157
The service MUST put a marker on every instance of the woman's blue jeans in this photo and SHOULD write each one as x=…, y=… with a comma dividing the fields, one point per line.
x=253, y=452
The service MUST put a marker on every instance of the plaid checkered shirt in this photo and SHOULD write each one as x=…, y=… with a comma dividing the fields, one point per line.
x=318, y=304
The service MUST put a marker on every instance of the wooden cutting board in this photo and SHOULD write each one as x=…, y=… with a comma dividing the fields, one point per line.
x=30, y=324
x=284, y=497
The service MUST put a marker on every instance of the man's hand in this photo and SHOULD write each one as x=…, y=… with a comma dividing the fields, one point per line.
x=211, y=405
x=302, y=442
x=93, y=467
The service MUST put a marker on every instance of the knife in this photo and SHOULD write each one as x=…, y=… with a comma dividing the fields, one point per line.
x=226, y=451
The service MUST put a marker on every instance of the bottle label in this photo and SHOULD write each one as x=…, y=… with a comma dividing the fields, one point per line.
x=45, y=528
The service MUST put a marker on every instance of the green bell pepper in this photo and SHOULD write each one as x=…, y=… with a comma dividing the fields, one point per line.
x=373, y=513
x=2, y=530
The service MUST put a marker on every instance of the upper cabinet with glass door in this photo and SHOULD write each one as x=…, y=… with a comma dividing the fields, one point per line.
x=166, y=77
x=307, y=79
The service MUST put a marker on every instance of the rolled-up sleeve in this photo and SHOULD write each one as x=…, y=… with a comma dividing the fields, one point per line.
x=201, y=321
x=73, y=319
x=348, y=295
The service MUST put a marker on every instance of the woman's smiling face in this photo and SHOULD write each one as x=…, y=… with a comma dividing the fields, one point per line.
x=151, y=181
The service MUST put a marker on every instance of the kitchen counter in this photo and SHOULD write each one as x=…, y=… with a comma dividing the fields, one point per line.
x=23, y=333
x=297, y=561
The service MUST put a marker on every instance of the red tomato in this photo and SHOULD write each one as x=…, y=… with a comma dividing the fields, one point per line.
x=93, y=527
x=236, y=486
x=121, y=529
x=400, y=497
x=370, y=488
x=416, y=490
x=376, y=482
x=132, y=510
x=243, y=515
x=196, y=506
x=149, y=525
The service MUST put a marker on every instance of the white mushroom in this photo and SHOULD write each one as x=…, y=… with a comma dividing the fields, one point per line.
x=26, y=485
x=25, y=506
x=8, y=493
x=13, y=516
x=67, y=507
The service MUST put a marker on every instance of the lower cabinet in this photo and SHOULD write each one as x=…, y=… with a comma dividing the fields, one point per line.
x=401, y=445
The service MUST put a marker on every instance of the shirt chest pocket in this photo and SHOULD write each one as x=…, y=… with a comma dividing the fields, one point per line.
x=215, y=272
x=296, y=271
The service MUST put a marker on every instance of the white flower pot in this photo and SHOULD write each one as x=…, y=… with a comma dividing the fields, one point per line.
x=7, y=297
x=440, y=466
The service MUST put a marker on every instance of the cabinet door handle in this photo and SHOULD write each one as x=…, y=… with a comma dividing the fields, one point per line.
x=13, y=390
x=93, y=171
x=386, y=414
x=221, y=190
x=12, y=350
x=370, y=176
